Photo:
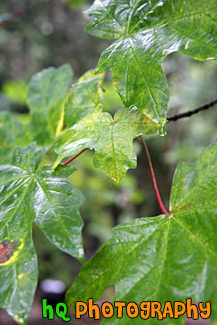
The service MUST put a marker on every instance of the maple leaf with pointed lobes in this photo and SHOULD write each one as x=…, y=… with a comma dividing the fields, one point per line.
x=112, y=139
x=163, y=258
x=32, y=194
x=148, y=31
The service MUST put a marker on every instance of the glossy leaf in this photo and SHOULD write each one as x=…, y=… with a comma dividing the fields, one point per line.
x=110, y=137
x=47, y=92
x=147, y=32
x=162, y=258
x=29, y=193
x=84, y=97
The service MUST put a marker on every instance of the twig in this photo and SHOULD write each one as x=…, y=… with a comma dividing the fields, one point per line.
x=154, y=179
x=194, y=111
x=78, y=154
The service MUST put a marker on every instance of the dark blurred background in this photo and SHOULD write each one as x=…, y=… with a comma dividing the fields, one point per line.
x=38, y=34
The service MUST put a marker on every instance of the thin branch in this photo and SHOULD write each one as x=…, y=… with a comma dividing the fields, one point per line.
x=194, y=111
x=78, y=154
x=154, y=179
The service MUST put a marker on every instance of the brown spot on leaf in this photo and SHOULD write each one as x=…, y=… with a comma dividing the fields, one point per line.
x=177, y=208
x=7, y=249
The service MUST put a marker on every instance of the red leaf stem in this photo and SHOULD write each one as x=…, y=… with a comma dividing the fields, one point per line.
x=78, y=154
x=154, y=179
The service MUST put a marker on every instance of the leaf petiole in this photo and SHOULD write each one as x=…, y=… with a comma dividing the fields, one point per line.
x=78, y=154
x=154, y=179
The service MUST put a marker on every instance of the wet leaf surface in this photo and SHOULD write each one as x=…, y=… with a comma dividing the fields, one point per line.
x=111, y=138
x=32, y=194
x=162, y=258
x=148, y=31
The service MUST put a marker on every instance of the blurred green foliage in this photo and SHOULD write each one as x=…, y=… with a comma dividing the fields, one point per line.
x=75, y=3
x=15, y=90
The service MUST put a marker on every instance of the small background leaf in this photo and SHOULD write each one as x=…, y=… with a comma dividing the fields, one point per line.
x=12, y=133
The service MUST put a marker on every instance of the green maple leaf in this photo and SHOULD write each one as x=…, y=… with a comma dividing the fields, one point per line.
x=147, y=31
x=162, y=258
x=112, y=139
x=29, y=193
x=47, y=92
x=84, y=97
